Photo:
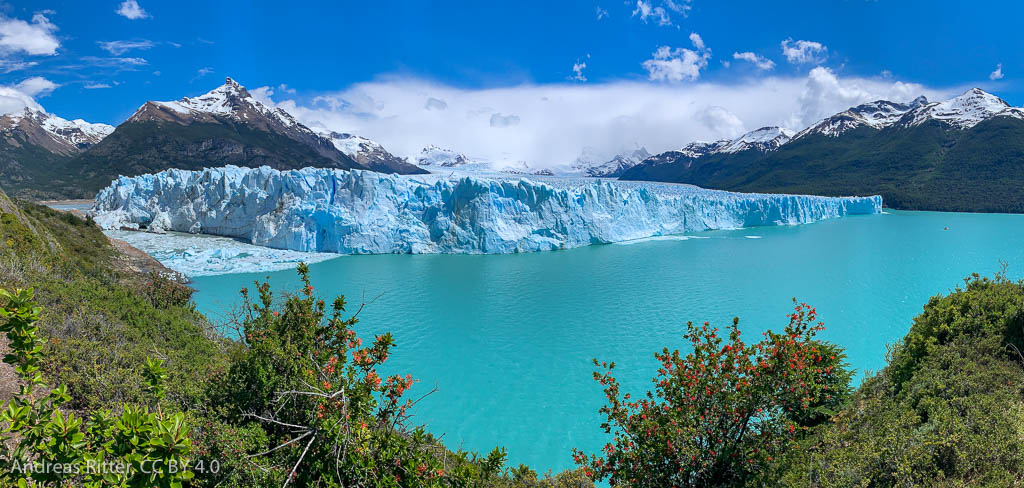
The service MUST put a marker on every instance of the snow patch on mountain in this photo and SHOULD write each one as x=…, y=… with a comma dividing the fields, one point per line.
x=230, y=99
x=765, y=139
x=962, y=112
x=590, y=163
x=363, y=212
x=878, y=115
x=77, y=133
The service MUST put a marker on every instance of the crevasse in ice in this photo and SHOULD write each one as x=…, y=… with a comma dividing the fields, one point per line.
x=363, y=212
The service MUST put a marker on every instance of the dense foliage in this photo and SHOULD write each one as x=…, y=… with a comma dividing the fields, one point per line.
x=723, y=414
x=139, y=447
x=928, y=167
x=947, y=411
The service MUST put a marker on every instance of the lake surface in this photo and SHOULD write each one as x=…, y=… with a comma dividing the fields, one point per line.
x=508, y=339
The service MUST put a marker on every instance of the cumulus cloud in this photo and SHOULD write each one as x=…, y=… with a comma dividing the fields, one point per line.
x=118, y=48
x=997, y=74
x=577, y=69
x=14, y=98
x=601, y=13
x=824, y=91
x=761, y=62
x=37, y=86
x=498, y=120
x=35, y=38
x=680, y=63
x=556, y=121
x=804, y=52
x=130, y=9
x=720, y=121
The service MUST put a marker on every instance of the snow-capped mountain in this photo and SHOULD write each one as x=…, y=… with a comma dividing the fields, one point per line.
x=962, y=112
x=437, y=157
x=878, y=114
x=765, y=139
x=230, y=99
x=961, y=154
x=54, y=133
x=699, y=149
x=590, y=165
x=370, y=153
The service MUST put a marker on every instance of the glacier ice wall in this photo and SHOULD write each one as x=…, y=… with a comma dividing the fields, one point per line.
x=363, y=212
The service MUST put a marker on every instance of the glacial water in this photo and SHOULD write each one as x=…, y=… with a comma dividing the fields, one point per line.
x=508, y=339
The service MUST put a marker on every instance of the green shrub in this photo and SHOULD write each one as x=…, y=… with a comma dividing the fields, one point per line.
x=54, y=448
x=725, y=413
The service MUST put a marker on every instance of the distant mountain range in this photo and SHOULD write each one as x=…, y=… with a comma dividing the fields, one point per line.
x=961, y=154
x=44, y=156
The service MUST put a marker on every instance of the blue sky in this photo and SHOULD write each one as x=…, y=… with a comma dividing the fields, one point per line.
x=110, y=57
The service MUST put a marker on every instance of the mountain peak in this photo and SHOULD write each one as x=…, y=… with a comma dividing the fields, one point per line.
x=764, y=139
x=68, y=136
x=963, y=111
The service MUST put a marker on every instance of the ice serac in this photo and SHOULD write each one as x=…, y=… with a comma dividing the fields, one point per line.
x=362, y=212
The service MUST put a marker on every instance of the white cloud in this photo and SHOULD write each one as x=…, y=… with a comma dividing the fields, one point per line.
x=681, y=7
x=95, y=86
x=680, y=63
x=804, y=52
x=720, y=121
x=114, y=62
x=14, y=98
x=646, y=10
x=36, y=86
x=131, y=9
x=761, y=62
x=577, y=69
x=824, y=92
x=601, y=13
x=118, y=48
x=997, y=74
x=34, y=38
x=556, y=121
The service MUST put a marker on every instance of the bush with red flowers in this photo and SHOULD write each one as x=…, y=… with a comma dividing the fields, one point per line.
x=724, y=413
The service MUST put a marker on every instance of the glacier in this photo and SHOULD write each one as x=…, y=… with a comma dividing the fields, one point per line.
x=362, y=212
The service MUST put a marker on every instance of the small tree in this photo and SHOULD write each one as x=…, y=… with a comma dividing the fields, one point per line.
x=53, y=448
x=723, y=414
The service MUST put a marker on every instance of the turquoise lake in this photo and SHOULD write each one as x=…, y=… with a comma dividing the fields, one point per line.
x=508, y=339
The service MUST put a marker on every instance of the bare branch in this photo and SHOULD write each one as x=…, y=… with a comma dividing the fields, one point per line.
x=297, y=463
x=278, y=447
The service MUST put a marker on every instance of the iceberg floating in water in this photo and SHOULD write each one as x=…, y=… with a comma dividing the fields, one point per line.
x=362, y=212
